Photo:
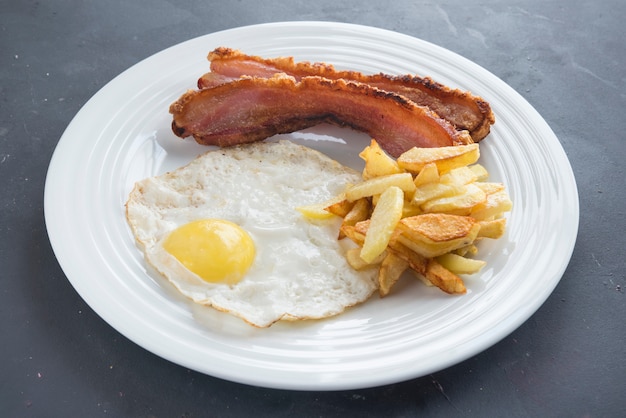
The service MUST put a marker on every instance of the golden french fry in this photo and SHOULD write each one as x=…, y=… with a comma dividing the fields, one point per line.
x=362, y=227
x=383, y=222
x=460, y=265
x=390, y=271
x=467, y=250
x=430, y=191
x=375, y=200
x=353, y=256
x=494, y=204
x=428, y=174
x=489, y=188
x=354, y=259
x=443, y=278
x=459, y=176
x=319, y=210
x=350, y=231
x=409, y=209
x=446, y=158
x=377, y=162
x=493, y=229
x=360, y=211
x=340, y=208
x=416, y=261
x=378, y=185
x=480, y=172
x=458, y=204
x=432, y=235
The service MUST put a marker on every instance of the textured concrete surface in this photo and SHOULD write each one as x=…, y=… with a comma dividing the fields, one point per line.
x=58, y=358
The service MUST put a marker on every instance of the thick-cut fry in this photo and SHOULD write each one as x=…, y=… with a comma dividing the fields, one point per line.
x=416, y=261
x=432, y=235
x=443, y=278
x=319, y=210
x=460, y=265
x=430, y=191
x=390, y=271
x=467, y=250
x=489, y=188
x=340, y=208
x=457, y=204
x=495, y=204
x=446, y=158
x=351, y=232
x=353, y=256
x=384, y=219
x=480, y=171
x=493, y=229
x=459, y=176
x=428, y=174
x=378, y=185
x=360, y=211
x=377, y=162
x=409, y=209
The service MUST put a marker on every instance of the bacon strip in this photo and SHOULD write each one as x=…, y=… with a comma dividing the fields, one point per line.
x=253, y=108
x=464, y=110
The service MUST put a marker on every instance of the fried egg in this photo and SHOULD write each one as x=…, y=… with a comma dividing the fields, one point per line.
x=224, y=230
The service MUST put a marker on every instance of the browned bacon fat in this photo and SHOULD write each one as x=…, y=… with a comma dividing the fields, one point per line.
x=249, y=109
x=464, y=110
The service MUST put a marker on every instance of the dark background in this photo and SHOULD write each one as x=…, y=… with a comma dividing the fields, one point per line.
x=58, y=358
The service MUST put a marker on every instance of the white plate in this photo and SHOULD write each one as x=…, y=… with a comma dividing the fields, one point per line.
x=123, y=134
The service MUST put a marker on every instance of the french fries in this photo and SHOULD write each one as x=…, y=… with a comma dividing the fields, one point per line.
x=360, y=210
x=377, y=185
x=460, y=265
x=445, y=158
x=424, y=212
x=320, y=210
x=377, y=162
x=432, y=235
x=391, y=268
x=383, y=222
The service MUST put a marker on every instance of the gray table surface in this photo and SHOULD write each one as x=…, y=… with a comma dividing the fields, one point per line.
x=58, y=358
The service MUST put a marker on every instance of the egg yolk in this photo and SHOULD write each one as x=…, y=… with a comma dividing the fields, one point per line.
x=216, y=250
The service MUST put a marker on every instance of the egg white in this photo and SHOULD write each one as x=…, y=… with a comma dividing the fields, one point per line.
x=299, y=271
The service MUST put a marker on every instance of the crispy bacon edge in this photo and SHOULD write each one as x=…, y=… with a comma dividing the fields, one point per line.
x=250, y=109
x=461, y=108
